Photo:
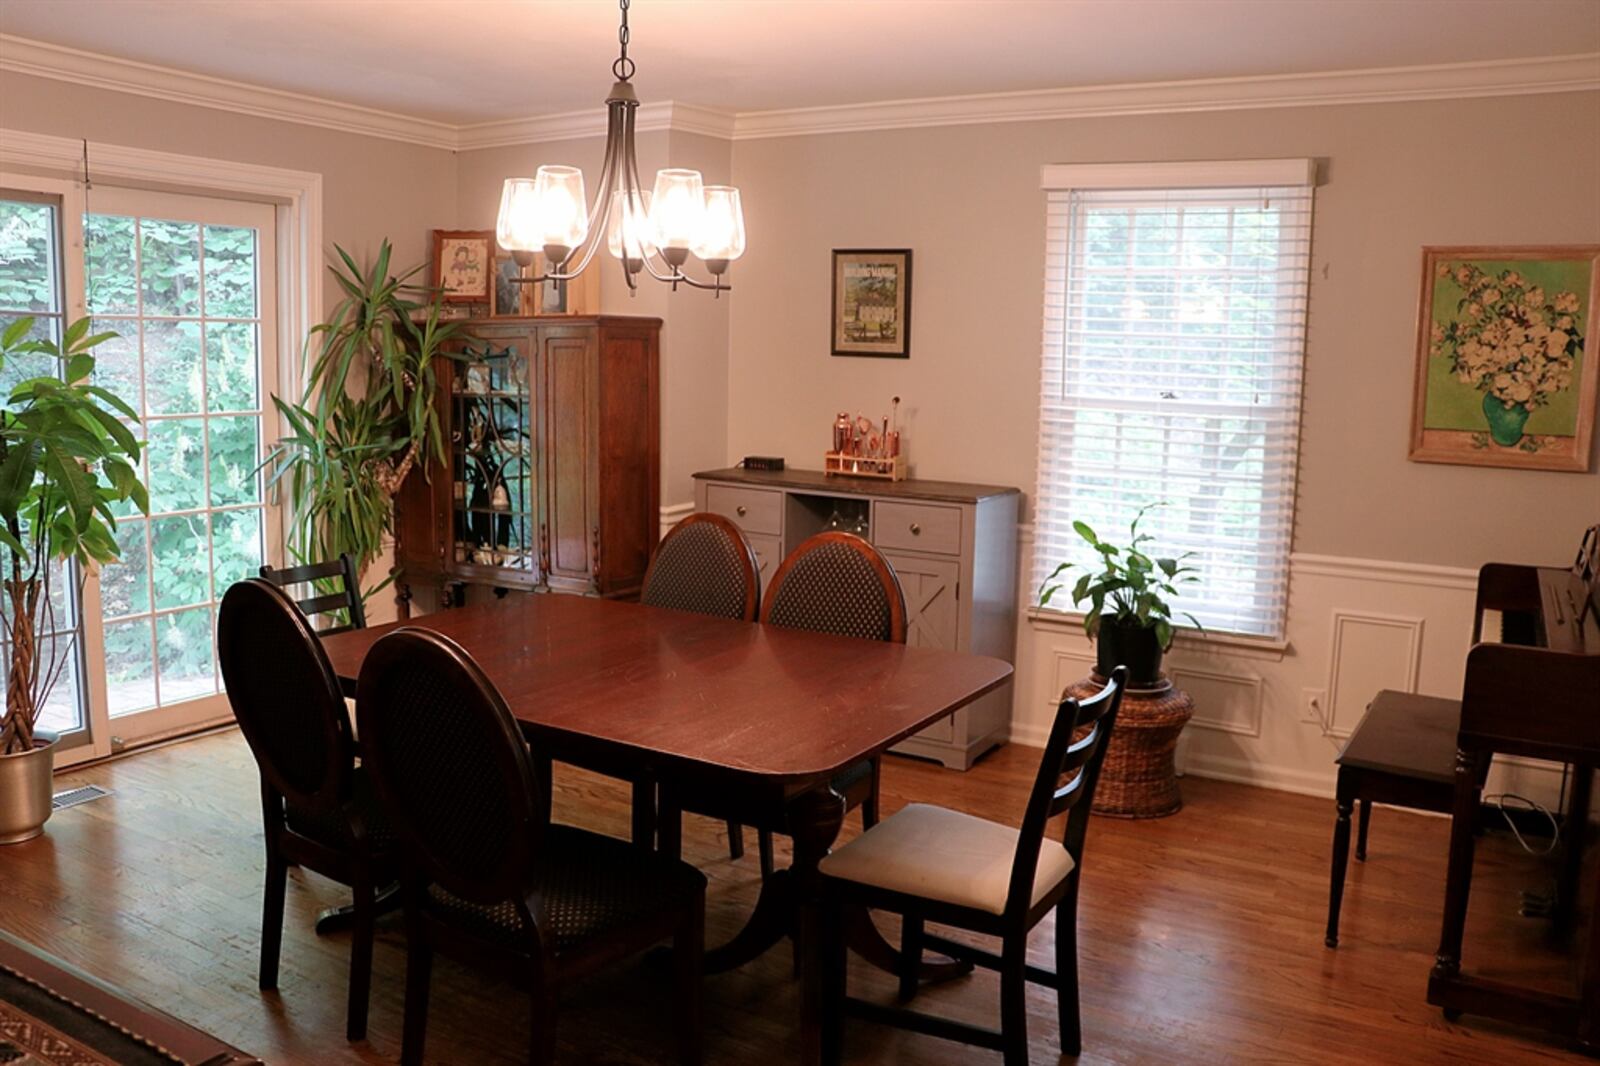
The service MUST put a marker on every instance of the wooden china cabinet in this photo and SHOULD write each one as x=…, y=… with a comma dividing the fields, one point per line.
x=553, y=478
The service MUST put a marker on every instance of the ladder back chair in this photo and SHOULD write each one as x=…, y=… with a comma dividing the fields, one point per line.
x=487, y=875
x=320, y=605
x=930, y=864
x=318, y=809
x=706, y=565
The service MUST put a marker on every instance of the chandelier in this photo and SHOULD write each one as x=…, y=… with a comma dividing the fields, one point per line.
x=653, y=232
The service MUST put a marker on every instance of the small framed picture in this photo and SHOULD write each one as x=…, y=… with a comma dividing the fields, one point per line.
x=1506, y=342
x=872, y=302
x=511, y=297
x=580, y=296
x=463, y=264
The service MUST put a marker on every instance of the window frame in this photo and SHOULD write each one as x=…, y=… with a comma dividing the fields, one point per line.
x=1061, y=180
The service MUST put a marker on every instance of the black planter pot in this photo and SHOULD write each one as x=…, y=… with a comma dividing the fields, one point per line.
x=1132, y=645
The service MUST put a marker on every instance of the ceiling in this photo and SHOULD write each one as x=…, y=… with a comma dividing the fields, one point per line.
x=474, y=61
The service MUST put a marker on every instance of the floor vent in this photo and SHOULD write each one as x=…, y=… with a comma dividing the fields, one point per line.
x=74, y=796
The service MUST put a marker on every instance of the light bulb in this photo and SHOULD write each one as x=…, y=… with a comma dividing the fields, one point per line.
x=677, y=209
x=721, y=233
x=516, y=228
x=562, y=220
x=629, y=227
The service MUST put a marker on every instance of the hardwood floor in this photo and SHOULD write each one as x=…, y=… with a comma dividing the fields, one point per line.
x=1201, y=933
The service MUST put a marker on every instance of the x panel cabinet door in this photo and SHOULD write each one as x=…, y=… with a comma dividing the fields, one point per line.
x=933, y=618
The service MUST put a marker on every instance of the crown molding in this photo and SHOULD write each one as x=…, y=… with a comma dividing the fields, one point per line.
x=1513, y=77
x=661, y=115
x=20, y=55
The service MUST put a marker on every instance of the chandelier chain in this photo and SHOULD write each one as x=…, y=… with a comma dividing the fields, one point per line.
x=623, y=68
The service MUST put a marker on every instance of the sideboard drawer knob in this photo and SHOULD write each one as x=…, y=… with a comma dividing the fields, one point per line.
x=916, y=530
x=739, y=510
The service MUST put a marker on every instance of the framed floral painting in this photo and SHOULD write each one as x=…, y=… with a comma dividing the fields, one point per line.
x=1506, y=339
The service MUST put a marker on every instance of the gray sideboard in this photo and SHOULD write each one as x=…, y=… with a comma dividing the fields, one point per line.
x=953, y=546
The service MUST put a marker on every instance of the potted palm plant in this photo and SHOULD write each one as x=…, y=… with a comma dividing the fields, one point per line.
x=368, y=416
x=1129, y=617
x=67, y=463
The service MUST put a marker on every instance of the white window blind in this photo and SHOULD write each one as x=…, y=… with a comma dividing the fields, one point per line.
x=1174, y=338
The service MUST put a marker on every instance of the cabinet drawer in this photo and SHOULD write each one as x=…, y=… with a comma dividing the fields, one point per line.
x=755, y=510
x=923, y=527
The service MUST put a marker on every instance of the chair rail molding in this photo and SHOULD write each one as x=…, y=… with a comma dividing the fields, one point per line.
x=1507, y=77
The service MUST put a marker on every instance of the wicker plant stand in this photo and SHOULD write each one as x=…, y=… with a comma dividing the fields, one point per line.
x=1139, y=779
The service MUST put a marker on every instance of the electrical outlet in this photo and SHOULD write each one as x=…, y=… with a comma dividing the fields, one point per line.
x=1314, y=707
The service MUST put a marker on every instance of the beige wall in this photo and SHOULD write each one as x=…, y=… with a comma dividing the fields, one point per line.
x=967, y=201
x=371, y=188
x=694, y=332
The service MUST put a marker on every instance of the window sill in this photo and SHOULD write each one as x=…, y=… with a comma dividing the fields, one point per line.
x=1186, y=640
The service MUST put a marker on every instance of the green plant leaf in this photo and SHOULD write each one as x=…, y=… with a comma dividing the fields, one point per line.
x=1083, y=530
x=16, y=331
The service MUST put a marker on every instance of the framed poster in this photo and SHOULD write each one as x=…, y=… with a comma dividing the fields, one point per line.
x=872, y=302
x=463, y=264
x=511, y=297
x=1505, y=350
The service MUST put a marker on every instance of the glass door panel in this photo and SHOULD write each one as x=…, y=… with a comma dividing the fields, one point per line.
x=186, y=283
x=31, y=286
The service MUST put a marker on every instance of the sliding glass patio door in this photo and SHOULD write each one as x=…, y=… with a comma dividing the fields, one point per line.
x=187, y=284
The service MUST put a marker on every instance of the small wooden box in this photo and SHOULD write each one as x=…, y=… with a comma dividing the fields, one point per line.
x=890, y=468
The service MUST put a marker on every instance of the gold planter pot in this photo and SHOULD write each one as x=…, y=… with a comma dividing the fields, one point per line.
x=25, y=791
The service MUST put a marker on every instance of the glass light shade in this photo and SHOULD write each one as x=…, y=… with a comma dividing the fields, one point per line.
x=721, y=234
x=561, y=216
x=630, y=226
x=677, y=209
x=515, y=226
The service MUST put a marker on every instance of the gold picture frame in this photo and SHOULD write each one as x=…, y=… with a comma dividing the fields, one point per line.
x=1506, y=345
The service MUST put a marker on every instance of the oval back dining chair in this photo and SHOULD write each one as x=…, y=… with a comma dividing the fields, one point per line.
x=487, y=873
x=706, y=565
x=317, y=808
x=838, y=583
x=931, y=864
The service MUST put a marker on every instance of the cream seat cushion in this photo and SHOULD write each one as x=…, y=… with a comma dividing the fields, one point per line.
x=945, y=855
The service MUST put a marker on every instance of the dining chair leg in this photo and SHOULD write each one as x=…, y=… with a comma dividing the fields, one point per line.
x=688, y=956
x=832, y=975
x=1014, y=1000
x=1070, y=1023
x=644, y=814
x=669, y=826
x=272, y=918
x=419, y=970
x=910, y=955
x=764, y=845
x=542, y=1037
x=735, y=840
x=355, y=1027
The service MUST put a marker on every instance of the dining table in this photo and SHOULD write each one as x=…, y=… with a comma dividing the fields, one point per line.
x=748, y=721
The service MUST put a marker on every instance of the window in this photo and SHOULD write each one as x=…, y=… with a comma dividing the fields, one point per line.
x=1174, y=334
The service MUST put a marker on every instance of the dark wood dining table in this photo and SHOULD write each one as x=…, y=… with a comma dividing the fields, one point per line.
x=751, y=720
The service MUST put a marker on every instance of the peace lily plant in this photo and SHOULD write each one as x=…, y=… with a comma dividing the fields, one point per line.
x=1129, y=616
x=68, y=465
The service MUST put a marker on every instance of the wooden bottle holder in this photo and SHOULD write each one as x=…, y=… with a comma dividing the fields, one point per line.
x=888, y=468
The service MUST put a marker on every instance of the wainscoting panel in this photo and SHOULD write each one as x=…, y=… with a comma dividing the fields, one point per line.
x=1369, y=652
x=1354, y=626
